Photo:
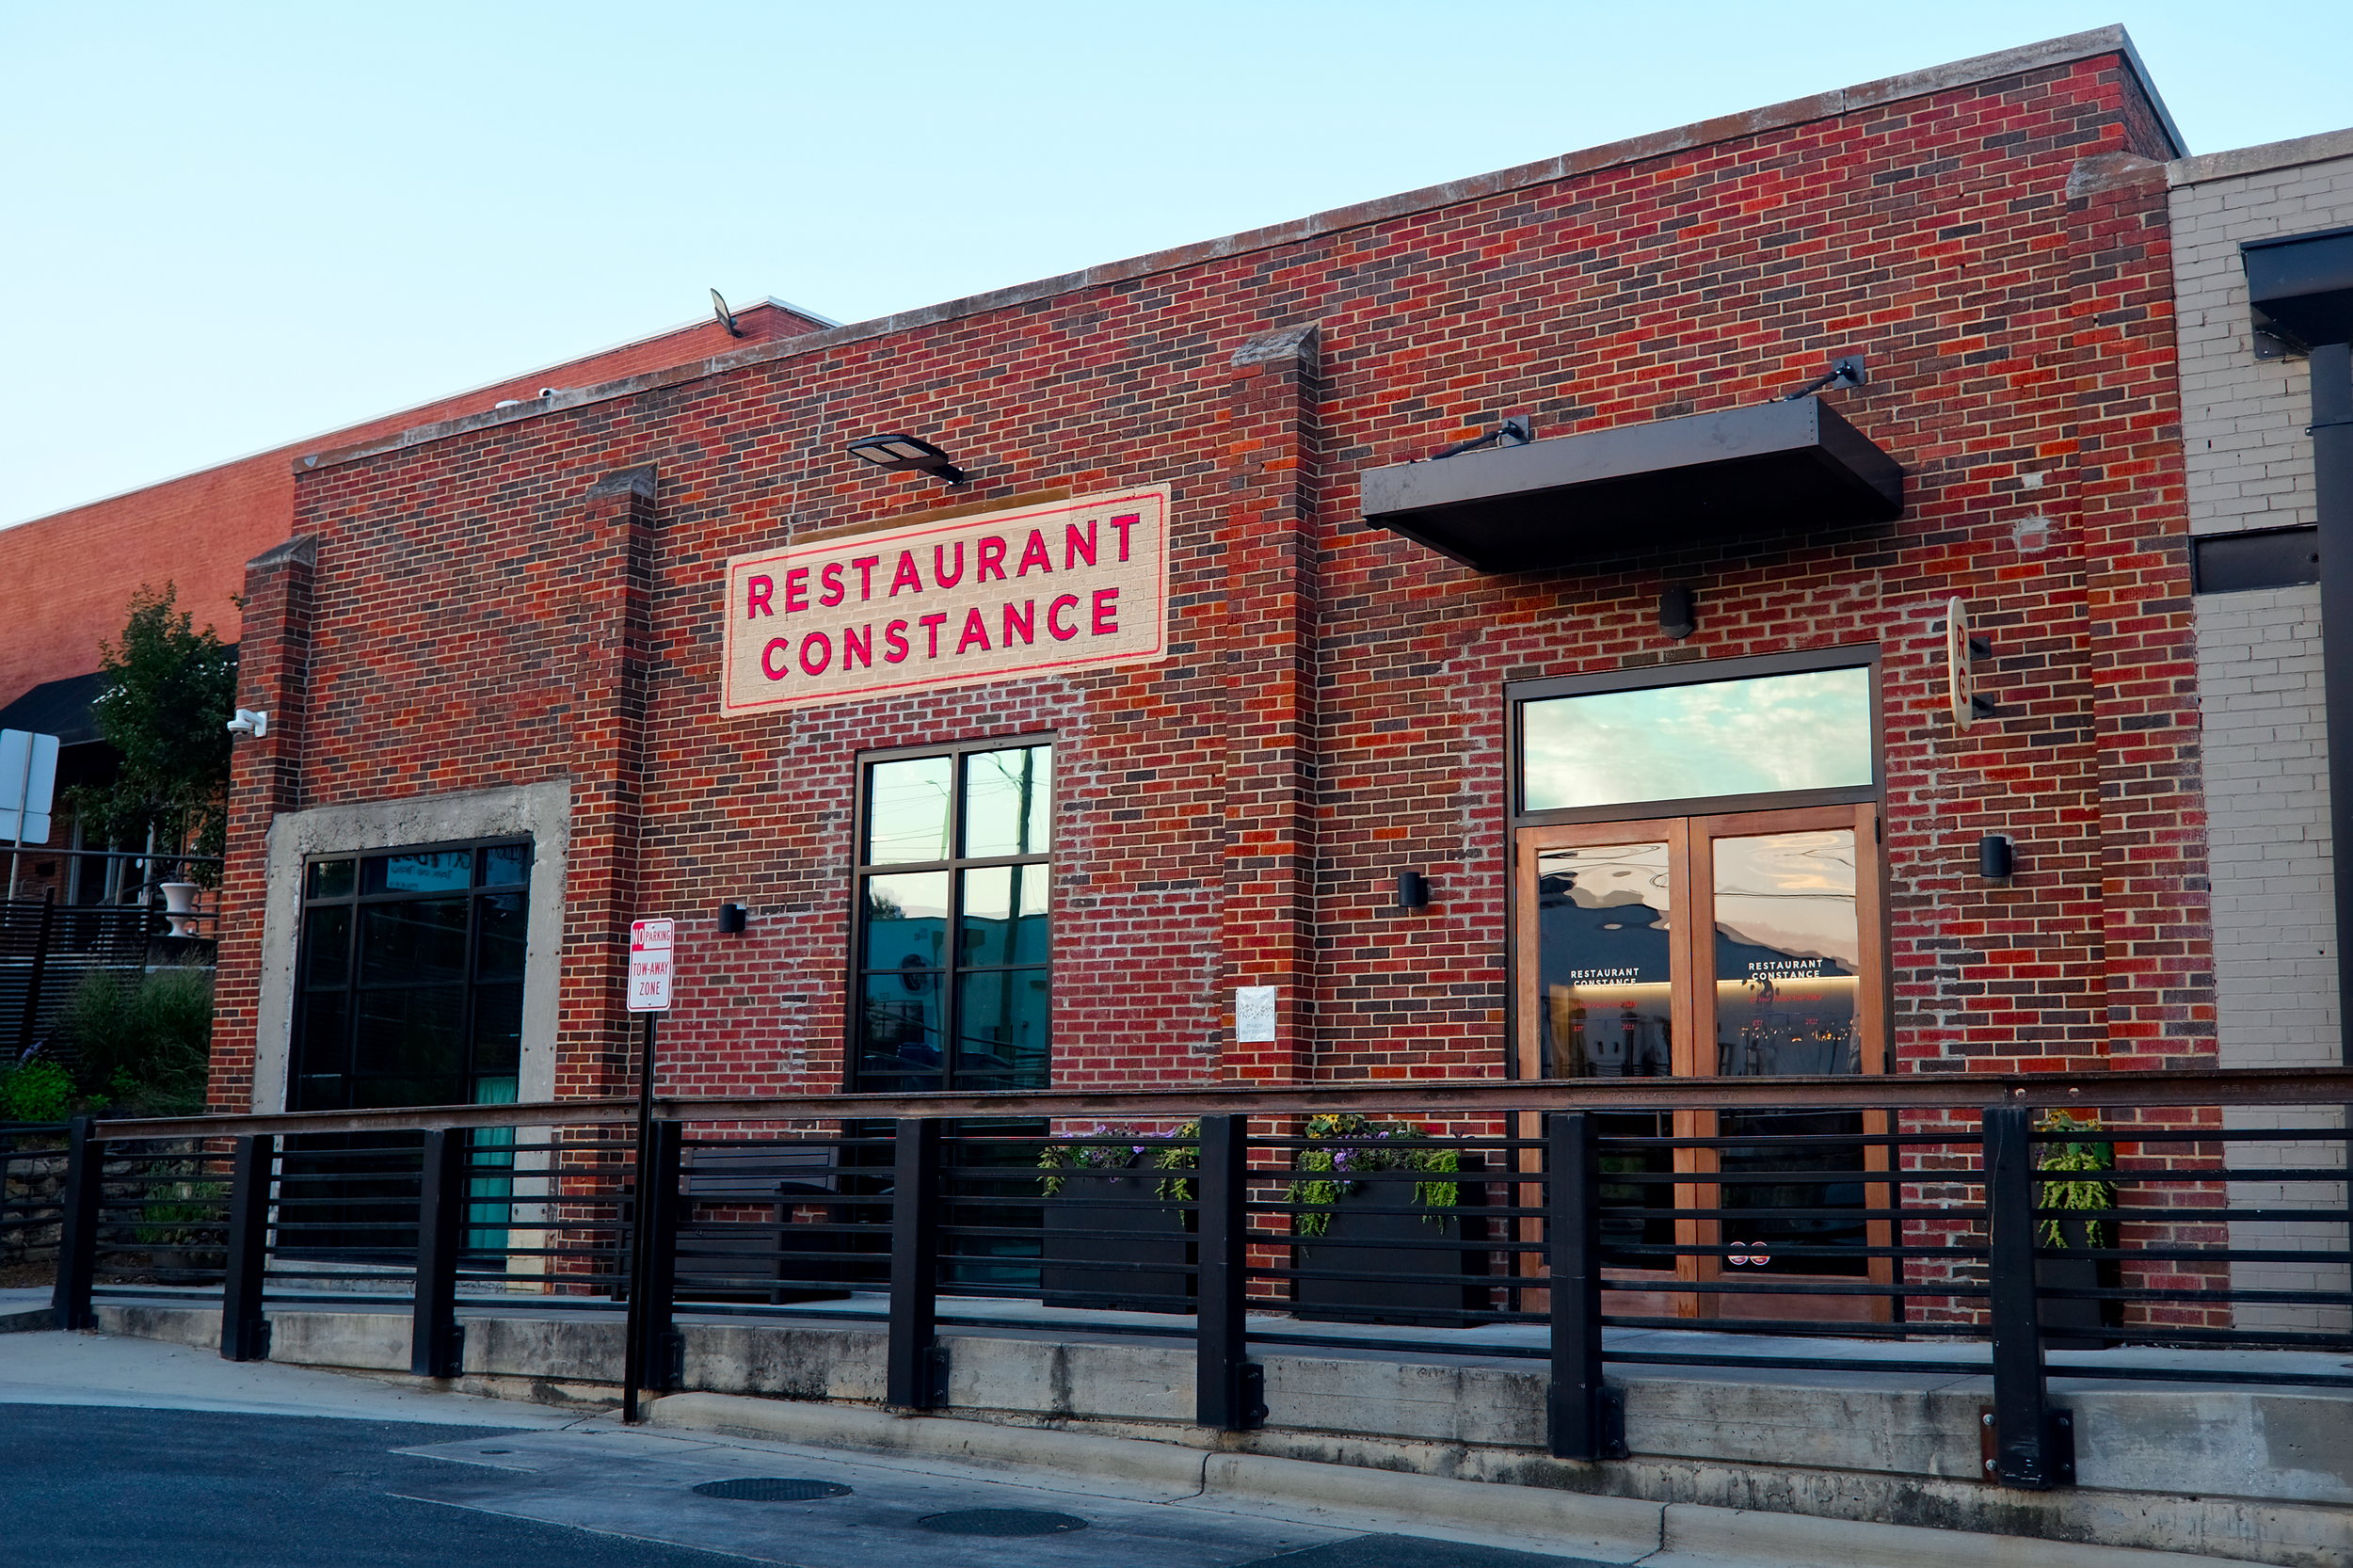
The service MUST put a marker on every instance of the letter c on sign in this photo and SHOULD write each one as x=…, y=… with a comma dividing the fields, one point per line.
x=768, y=666
x=1053, y=618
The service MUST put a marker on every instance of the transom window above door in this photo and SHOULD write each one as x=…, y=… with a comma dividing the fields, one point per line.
x=1731, y=733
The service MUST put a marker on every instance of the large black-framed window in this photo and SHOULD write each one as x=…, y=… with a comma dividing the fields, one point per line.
x=410, y=976
x=951, y=925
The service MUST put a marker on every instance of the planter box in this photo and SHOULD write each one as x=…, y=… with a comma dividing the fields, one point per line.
x=1426, y=1283
x=1153, y=1238
x=2074, y=1323
x=717, y=1261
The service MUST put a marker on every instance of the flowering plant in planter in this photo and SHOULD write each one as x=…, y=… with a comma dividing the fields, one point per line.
x=1107, y=1147
x=2079, y=1189
x=1325, y=1176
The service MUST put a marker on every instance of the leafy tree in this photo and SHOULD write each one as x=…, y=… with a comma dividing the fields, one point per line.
x=165, y=699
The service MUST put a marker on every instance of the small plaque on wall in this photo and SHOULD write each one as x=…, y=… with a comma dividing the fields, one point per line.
x=1063, y=586
x=1254, y=1014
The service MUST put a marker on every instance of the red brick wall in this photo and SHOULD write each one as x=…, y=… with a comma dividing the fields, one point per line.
x=71, y=575
x=1332, y=711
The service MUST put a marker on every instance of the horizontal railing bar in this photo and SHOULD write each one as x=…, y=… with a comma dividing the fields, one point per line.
x=1910, y=1092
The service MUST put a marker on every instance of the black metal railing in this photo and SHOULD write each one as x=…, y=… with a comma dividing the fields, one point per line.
x=1968, y=1228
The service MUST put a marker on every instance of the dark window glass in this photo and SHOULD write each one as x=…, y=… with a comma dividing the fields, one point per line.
x=412, y=971
x=327, y=945
x=952, y=985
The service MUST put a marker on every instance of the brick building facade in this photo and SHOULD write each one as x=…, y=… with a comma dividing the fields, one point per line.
x=503, y=635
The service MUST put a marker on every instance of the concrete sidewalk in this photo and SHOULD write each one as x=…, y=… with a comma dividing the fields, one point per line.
x=1144, y=1504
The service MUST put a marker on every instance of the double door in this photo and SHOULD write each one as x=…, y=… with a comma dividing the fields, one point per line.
x=1743, y=945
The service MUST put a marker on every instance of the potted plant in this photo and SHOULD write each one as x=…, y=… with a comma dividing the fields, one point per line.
x=1115, y=1197
x=2074, y=1322
x=1350, y=1169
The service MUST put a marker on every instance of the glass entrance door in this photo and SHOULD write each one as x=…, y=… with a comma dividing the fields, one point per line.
x=1737, y=945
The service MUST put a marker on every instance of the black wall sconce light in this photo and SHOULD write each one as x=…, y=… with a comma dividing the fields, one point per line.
x=1996, y=858
x=1413, y=890
x=1678, y=612
x=733, y=918
x=902, y=453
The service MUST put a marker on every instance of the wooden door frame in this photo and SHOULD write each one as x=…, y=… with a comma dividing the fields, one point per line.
x=1691, y=935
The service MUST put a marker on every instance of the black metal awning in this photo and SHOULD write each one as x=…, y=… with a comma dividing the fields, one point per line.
x=2301, y=287
x=59, y=708
x=1772, y=468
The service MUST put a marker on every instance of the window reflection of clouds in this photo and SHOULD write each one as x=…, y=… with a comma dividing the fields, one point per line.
x=1791, y=892
x=1805, y=731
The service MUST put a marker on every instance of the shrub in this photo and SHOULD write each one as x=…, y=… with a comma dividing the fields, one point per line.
x=144, y=1042
x=35, y=1090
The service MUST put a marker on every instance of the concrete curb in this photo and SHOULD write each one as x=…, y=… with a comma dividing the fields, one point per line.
x=1629, y=1530
x=31, y=1320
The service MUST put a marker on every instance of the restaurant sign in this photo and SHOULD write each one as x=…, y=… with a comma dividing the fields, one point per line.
x=1061, y=585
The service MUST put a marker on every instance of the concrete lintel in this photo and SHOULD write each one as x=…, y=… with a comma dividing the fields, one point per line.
x=1658, y=144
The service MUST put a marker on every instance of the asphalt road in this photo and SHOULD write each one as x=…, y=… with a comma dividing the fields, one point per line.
x=129, y=1454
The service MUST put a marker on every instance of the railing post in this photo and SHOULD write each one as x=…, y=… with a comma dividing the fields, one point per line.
x=1229, y=1389
x=1585, y=1416
x=77, y=1228
x=437, y=1345
x=918, y=1371
x=2034, y=1446
x=655, y=1290
x=244, y=1328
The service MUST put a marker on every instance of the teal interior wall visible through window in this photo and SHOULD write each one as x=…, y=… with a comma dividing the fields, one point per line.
x=950, y=942
x=409, y=985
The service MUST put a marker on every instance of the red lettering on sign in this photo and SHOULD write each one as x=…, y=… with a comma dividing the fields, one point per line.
x=932, y=625
x=1023, y=620
x=1106, y=612
x=835, y=592
x=796, y=589
x=864, y=565
x=1053, y=618
x=1077, y=546
x=758, y=591
x=975, y=631
x=1035, y=553
x=857, y=647
x=992, y=560
x=895, y=639
x=939, y=566
x=905, y=576
x=1123, y=524
x=823, y=645
x=768, y=666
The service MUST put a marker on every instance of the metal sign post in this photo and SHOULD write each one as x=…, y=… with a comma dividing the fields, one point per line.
x=651, y=943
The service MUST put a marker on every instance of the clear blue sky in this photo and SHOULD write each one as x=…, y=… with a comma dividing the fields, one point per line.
x=225, y=227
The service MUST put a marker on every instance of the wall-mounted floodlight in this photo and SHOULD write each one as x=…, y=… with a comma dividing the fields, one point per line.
x=733, y=918
x=903, y=452
x=249, y=722
x=723, y=316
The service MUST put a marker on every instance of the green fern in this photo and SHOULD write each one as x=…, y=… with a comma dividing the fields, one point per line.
x=2081, y=1192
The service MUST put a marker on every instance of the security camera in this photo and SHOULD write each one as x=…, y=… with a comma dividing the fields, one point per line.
x=249, y=722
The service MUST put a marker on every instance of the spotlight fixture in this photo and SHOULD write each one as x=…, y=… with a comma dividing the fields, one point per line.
x=1413, y=890
x=1516, y=431
x=903, y=451
x=1678, y=616
x=1996, y=859
x=725, y=317
x=733, y=918
x=1844, y=371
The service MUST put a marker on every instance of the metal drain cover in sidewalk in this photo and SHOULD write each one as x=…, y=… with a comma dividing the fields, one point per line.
x=1001, y=1521
x=770, y=1489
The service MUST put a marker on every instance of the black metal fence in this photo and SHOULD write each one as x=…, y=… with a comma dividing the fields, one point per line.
x=46, y=947
x=1504, y=1220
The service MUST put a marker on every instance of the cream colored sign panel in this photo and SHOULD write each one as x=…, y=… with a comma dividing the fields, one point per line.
x=1070, y=585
